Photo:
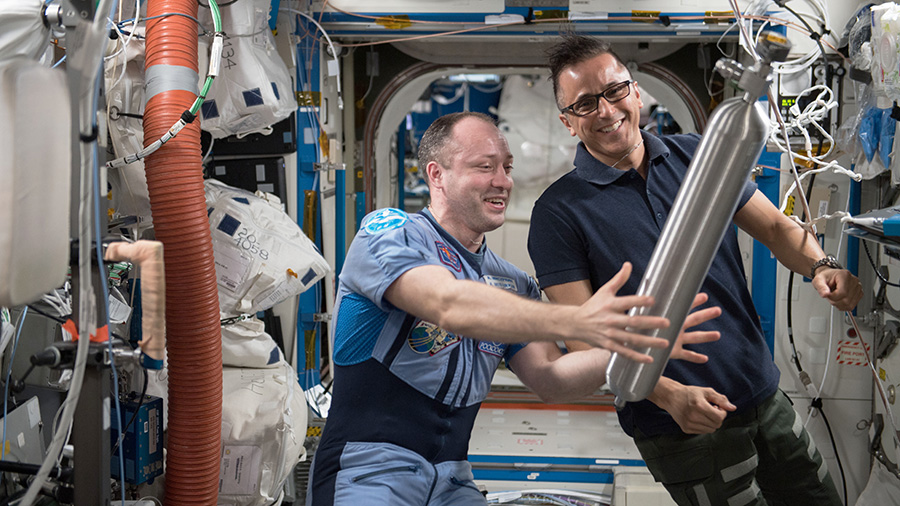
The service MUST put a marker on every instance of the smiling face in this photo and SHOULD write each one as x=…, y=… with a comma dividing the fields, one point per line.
x=471, y=192
x=611, y=131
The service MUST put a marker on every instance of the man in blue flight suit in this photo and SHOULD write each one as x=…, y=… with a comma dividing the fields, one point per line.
x=424, y=314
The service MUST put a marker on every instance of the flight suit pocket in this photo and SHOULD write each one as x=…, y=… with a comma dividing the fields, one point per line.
x=677, y=459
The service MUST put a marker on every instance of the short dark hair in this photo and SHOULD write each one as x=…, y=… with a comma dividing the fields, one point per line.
x=572, y=50
x=434, y=141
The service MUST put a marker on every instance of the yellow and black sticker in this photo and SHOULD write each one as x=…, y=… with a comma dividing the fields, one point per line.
x=308, y=98
x=398, y=22
x=789, y=208
x=714, y=17
x=645, y=16
x=774, y=37
x=550, y=14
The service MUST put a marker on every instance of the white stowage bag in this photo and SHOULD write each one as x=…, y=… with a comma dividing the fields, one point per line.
x=253, y=89
x=883, y=488
x=262, y=256
x=125, y=98
x=22, y=29
x=247, y=344
x=263, y=429
x=35, y=169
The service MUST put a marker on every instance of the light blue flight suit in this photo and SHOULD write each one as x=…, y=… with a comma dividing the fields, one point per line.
x=406, y=392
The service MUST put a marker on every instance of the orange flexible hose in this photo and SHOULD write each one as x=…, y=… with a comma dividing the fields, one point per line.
x=178, y=205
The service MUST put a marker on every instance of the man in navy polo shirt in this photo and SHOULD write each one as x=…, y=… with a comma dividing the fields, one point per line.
x=611, y=208
x=424, y=314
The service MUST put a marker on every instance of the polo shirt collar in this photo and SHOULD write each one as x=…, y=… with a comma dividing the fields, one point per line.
x=594, y=171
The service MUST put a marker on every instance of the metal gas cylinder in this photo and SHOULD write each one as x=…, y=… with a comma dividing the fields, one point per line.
x=700, y=215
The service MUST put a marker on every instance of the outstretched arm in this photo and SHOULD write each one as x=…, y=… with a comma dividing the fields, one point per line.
x=697, y=410
x=559, y=377
x=576, y=292
x=798, y=250
x=477, y=310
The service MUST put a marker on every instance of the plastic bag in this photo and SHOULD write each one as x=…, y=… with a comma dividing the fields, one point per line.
x=253, y=90
x=886, y=137
x=263, y=429
x=246, y=344
x=262, y=256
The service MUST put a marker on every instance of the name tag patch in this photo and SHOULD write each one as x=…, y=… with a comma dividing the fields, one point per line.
x=496, y=349
x=501, y=282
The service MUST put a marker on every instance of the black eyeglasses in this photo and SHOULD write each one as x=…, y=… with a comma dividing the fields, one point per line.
x=590, y=103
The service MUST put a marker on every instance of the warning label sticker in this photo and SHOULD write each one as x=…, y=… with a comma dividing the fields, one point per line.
x=851, y=353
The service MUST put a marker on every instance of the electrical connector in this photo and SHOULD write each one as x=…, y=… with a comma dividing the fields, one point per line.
x=808, y=384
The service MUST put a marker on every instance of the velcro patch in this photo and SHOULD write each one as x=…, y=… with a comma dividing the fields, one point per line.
x=448, y=257
x=382, y=220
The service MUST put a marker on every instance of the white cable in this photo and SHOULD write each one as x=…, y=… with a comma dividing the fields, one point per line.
x=814, y=112
x=313, y=122
x=820, y=15
x=212, y=142
x=878, y=384
x=744, y=39
x=830, y=320
x=334, y=53
x=122, y=51
x=89, y=64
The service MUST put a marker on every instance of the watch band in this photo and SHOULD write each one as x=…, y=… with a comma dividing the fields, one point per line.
x=828, y=260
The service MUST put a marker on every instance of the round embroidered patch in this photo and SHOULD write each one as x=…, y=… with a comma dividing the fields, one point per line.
x=383, y=220
x=429, y=338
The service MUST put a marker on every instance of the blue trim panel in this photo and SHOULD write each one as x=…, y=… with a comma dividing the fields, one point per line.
x=764, y=263
x=539, y=476
x=578, y=461
x=340, y=221
x=853, y=242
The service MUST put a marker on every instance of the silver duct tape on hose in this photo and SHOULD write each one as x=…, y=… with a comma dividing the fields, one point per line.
x=702, y=212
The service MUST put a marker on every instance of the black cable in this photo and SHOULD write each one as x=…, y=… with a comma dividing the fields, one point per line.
x=877, y=272
x=327, y=387
x=814, y=35
x=130, y=115
x=817, y=404
x=133, y=415
x=57, y=319
x=790, y=328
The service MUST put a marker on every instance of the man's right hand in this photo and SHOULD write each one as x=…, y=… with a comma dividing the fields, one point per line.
x=697, y=410
x=607, y=324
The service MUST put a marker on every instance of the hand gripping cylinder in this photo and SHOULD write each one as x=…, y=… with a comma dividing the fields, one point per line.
x=703, y=209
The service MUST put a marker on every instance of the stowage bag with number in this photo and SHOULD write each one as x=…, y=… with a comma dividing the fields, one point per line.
x=253, y=89
x=262, y=256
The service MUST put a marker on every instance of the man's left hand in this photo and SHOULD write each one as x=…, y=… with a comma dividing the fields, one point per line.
x=842, y=289
x=697, y=336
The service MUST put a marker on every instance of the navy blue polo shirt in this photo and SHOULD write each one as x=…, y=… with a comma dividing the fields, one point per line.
x=595, y=218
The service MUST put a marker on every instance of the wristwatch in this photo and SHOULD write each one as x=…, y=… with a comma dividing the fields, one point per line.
x=828, y=260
